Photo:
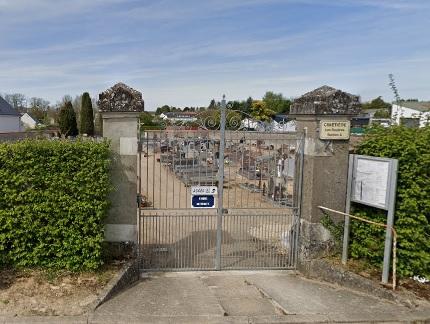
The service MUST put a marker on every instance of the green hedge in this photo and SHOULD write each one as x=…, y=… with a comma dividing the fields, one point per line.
x=412, y=217
x=53, y=199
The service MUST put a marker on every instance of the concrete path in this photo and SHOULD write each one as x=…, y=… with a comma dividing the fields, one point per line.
x=239, y=297
x=246, y=297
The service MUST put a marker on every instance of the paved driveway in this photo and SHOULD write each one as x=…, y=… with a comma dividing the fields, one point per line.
x=246, y=297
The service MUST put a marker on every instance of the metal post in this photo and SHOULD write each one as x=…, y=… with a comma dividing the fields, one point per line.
x=299, y=195
x=220, y=186
x=390, y=222
x=347, y=211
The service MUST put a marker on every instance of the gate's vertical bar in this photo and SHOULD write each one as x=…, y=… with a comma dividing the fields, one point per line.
x=299, y=196
x=347, y=210
x=220, y=186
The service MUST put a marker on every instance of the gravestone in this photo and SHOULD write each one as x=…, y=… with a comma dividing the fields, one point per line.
x=120, y=107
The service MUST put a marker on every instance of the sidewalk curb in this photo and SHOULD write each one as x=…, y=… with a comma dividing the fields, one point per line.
x=128, y=275
x=323, y=270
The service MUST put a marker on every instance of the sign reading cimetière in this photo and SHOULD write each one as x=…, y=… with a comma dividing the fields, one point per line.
x=335, y=129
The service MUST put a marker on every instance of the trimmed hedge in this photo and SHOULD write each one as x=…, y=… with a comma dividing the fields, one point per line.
x=53, y=199
x=412, y=217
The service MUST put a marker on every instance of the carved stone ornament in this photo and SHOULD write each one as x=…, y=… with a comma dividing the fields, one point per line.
x=121, y=98
x=326, y=101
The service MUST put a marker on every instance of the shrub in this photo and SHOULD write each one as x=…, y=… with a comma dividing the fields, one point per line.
x=412, y=217
x=53, y=199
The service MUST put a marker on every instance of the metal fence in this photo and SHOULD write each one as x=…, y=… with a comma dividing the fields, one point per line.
x=254, y=223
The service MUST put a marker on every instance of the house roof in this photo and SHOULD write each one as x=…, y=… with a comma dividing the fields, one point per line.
x=180, y=114
x=31, y=116
x=7, y=109
x=281, y=117
x=422, y=106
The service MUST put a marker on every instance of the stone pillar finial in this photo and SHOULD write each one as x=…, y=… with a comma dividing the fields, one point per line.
x=326, y=101
x=121, y=98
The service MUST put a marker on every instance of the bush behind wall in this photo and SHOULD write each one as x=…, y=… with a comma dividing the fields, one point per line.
x=53, y=199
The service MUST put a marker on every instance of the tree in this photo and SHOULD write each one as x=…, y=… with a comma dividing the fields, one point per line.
x=77, y=106
x=162, y=109
x=382, y=113
x=277, y=102
x=260, y=111
x=212, y=105
x=51, y=117
x=247, y=105
x=38, y=108
x=17, y=100
x=147, y=119
x=67, y=120
x=377, y=103
x=86, y=122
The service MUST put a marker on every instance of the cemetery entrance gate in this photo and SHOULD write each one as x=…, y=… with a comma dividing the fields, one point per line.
x=249, y=218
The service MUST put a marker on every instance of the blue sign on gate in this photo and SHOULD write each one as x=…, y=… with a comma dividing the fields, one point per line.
x=203, y=201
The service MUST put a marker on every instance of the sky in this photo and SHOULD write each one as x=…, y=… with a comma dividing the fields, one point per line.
x=186, y=52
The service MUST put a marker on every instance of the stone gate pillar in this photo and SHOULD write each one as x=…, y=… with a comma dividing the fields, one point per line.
x=120, y=107
x=324, y=115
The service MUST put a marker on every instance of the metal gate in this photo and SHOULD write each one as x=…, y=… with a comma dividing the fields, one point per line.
x=257, y=170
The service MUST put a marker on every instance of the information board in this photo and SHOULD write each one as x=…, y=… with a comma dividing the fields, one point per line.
x=371, y=181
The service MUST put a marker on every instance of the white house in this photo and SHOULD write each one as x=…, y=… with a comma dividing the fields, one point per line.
x=411, y=113
x=179, y=116
x=29, y=122
x=9, y=118
x=281, y=123
x=251, y=124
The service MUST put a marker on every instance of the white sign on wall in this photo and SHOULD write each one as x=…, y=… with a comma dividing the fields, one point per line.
x=204, y=190
x=335, y=129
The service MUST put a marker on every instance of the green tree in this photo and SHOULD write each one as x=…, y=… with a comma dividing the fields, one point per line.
x=377, y=103
x=67, y=120
x=162, y=109
x=382, y=113
x=260, y=111
x=212, y=105
x=86, y=124
x=277, y=102
x=147, y=119
x=247, y=105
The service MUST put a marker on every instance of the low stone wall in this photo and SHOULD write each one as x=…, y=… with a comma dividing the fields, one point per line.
x=16, y=136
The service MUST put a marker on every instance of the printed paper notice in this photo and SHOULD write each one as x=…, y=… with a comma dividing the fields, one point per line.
x=370, y=183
